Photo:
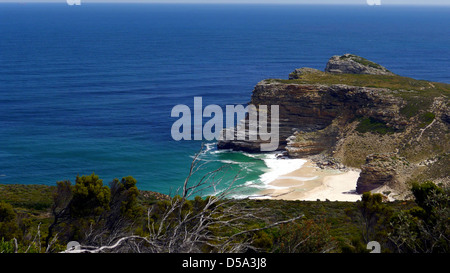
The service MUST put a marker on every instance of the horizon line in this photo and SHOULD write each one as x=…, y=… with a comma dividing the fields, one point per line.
x=224, y=3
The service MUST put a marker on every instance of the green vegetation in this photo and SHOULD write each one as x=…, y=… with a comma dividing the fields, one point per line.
x=8, y=224
x=121, y=209
x=403, y=85
x=414, y=105
x=424, y=228
x=66, y=212
x=374, y=217
x=308, y=236
x=426, y=119
x=373, y=126
x=90, y=197
x=89, y=205
x=31, y=198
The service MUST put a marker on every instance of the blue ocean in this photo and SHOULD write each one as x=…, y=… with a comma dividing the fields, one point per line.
x=90, y=88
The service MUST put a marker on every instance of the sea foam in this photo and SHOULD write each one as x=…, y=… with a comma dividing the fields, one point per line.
x=279, y=166
x=276, y=168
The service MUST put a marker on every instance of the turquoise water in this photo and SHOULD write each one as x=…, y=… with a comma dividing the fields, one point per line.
x=90, y=88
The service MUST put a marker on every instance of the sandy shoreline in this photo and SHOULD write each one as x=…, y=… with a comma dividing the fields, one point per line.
x=311, y=183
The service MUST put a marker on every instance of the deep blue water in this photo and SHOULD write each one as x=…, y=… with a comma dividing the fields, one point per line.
x=90, y=88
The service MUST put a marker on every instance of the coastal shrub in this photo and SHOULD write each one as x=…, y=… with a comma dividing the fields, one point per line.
x=425, y=228
x=7, y=213
x=124, y=195
x=426, y=118
x=9, y=228
x=33, y=197
x=343, y=219
x=372, y=216
x=411, y=109
x=6, y=246
x=90, y=197
x=422, y=193
x=352, y=244
x=372, y=125
x=262, y=240
x=88, y=211
x=308, y=236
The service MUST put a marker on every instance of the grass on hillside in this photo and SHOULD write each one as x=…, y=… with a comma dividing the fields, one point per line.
x=374, y=126
x=397, y=83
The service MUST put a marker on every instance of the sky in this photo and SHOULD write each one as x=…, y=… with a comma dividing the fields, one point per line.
x=336, y=2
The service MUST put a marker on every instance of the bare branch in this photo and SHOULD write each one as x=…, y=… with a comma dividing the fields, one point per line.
x=187, y=225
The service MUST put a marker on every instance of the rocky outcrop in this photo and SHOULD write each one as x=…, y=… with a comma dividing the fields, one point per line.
x=153, y=195
x=307, y=112
x=303, y=144
x=385, y=125
x=380, y=170
x=352, y=64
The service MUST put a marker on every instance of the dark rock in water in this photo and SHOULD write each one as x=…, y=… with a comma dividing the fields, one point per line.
x=282, y=155
x=352, y=64
x=240, y=145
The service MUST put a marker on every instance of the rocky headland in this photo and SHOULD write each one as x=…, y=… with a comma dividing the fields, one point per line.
x=358, y=114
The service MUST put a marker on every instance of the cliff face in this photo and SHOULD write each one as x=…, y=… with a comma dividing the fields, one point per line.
x=355, y=119
x=384, y=170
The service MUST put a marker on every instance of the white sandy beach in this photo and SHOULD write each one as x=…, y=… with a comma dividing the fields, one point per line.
x=312, y=183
